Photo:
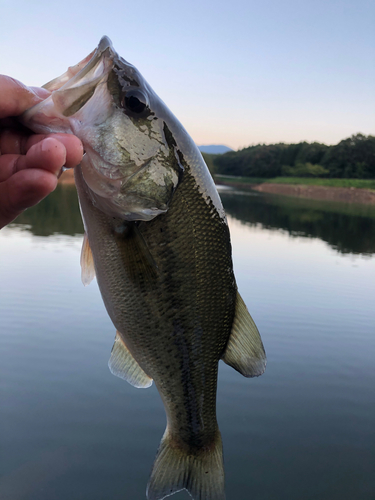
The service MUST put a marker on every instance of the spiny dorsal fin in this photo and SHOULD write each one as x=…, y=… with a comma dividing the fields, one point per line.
x=123, y=365
x=245, y=351
x=87, y=262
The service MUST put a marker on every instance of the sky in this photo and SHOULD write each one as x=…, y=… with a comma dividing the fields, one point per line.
x=233, y=72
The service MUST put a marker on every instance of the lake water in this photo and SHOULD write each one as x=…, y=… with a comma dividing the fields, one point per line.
x=305, y=430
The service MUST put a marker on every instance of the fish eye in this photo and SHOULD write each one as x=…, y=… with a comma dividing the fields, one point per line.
x=134, y=101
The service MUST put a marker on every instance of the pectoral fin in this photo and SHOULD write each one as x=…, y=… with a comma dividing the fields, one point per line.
x=87, y=262
x=123, y=365
x=245, y=351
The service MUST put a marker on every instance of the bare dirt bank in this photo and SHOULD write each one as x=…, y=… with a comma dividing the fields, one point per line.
x=67, y=177
x=346, y=195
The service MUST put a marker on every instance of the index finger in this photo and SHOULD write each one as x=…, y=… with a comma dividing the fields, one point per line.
x=15, y=97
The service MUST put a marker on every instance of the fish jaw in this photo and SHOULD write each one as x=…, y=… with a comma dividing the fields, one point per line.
x=52, y=114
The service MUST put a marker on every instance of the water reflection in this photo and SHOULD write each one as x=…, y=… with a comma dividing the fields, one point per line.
x=348, y=228
x=58, y=213
x=304, y=430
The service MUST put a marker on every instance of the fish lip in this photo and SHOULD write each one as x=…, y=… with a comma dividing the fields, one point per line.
x=99, y=55
x=80, y=70
x=104, y=44
x=95, y=69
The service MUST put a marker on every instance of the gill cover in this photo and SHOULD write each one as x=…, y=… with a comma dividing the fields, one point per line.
x=131, y=163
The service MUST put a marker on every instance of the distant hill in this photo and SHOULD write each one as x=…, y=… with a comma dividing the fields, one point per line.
x=214, y=149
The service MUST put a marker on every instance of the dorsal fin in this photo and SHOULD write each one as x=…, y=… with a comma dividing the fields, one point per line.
x=87, y=262
x=123, y=365
x=245, y=351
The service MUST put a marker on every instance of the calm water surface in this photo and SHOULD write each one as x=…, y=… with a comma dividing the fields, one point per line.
x=304, y=430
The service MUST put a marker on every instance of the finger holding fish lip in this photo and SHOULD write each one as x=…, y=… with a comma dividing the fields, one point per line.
x=29, y=163
x=48, y=154
x=44, y=153
x=13, y=141
x=73, y=146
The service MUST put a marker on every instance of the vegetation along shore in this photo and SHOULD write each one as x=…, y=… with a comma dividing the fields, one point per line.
x=342, y=172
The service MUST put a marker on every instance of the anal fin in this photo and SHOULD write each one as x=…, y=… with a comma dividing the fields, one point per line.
x=245, y=351
x=87, y=262
x=123, y=365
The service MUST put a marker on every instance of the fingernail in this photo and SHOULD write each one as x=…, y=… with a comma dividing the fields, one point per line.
x=48, y=144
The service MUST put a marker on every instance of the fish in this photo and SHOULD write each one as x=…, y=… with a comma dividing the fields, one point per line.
x=158, y=242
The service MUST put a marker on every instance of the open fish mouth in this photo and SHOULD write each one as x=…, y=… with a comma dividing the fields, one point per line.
x=81, y=70
x=71, y=91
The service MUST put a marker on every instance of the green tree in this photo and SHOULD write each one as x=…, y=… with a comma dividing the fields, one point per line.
x=305, y=170
x=351, y=158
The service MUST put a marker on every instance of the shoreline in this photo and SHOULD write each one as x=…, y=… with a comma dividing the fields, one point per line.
x=346, y=195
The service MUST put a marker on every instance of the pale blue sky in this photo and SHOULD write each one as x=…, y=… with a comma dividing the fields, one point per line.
x=234, y=72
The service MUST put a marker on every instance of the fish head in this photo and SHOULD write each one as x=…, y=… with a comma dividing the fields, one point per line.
x=131, y=164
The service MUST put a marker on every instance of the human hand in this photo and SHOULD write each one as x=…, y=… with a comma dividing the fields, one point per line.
x=29, y=163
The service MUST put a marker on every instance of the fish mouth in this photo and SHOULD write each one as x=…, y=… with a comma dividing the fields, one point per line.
x=71, y=91
x=81, y=72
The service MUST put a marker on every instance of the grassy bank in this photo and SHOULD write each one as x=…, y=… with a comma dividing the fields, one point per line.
x=306, y=181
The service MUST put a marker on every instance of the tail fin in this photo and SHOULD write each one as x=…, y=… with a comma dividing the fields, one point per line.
x=201, y=473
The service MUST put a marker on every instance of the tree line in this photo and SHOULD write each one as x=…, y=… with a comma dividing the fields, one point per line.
x=350, y=158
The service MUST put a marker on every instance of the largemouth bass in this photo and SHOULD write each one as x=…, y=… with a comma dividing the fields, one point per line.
x=157, y=239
